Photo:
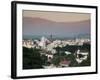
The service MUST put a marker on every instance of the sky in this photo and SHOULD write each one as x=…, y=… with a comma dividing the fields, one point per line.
x=57, y=16
x=55, y=23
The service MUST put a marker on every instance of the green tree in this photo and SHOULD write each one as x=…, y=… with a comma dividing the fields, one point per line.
x=31, y=58
x=56, y=60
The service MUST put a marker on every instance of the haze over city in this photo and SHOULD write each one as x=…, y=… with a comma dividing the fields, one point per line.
x=63, y=24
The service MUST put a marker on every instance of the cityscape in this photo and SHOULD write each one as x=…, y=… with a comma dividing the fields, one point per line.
x=59, y=53
x=56, y=39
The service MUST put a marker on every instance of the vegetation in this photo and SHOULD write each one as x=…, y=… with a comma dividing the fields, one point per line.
x=72, y=57
x=32, y=59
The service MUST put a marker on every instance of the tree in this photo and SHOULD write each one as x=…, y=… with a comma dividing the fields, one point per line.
x=44, y=59
x=31, y=58
x=56, y=60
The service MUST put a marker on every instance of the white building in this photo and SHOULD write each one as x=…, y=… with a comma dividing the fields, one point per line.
x=43, y=42
x=67, y=52
x=84, y=54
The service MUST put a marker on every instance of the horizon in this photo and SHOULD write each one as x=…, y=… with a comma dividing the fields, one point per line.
x=85, y=36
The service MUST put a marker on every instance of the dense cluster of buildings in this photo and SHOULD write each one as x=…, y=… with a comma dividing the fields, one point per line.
x=48, y=48
x=45, y=43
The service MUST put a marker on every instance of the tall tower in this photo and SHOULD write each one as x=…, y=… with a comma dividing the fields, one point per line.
x=51, y=38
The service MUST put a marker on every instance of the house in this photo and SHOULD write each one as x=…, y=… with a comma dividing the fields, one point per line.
x=81, y=55
x=49, y=56
x=67, y=52
x=64, y=63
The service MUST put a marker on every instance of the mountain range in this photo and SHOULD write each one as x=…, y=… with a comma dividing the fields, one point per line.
x=39, y=26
